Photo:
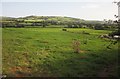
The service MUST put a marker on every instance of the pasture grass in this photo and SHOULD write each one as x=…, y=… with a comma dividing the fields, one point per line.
x=48, y=52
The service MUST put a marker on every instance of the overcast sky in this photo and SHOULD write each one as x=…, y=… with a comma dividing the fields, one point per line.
x=58, y=0
x=84, y=9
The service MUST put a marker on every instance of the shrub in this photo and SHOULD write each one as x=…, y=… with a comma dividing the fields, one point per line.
x=98, y=27
x=114, y=33
x=76, y=45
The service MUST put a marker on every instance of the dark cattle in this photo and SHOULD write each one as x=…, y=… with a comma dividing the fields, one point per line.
x=64, y=29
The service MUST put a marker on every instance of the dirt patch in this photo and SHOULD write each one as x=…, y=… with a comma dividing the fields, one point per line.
x=20, y=71
x=82, y=51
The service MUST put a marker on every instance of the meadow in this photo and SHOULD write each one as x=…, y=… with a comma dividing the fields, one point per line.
x=48, y=52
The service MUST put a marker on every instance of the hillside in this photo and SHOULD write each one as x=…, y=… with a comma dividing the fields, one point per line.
x=50, y=18
x=48, y=21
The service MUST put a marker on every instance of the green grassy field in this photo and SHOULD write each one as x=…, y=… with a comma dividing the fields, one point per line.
x=48, y=52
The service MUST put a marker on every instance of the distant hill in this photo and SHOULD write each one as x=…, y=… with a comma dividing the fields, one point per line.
x=4, y=18
x=48, y=21
x=50, y=18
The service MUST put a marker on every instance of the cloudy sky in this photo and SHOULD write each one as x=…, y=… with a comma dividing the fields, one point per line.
x=84, y=9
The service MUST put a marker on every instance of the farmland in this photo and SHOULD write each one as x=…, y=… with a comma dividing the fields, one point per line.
x=48, y=52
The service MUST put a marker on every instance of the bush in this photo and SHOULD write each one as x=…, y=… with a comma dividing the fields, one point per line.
x=115, y=33
x=98, y=27
x=8, y=24
x=76, y=45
